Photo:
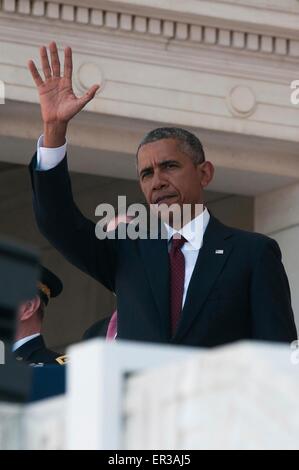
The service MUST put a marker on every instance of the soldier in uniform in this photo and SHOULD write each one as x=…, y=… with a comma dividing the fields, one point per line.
x=29, y=343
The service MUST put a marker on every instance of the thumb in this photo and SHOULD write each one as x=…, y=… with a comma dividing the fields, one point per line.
x=89, y=95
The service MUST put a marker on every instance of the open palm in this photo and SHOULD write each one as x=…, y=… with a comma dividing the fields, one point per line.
x=57, y=99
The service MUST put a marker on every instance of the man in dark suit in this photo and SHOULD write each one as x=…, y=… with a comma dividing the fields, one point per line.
x=29, y=343
x=198, y=284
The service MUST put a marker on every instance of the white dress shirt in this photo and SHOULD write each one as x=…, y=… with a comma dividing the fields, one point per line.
x=193, y=232
x=22, y=341
x=48, y=158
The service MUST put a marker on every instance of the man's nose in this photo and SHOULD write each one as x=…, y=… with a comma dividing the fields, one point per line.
x=158, y=182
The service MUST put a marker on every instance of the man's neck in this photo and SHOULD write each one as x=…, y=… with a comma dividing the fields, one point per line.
x=25, y=332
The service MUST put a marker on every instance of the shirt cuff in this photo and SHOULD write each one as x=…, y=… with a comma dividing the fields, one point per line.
x=48, y=158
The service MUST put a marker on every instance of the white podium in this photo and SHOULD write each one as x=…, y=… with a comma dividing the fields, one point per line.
x=136, y=396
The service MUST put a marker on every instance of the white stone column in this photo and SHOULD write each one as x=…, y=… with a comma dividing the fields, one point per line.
x=277, y=215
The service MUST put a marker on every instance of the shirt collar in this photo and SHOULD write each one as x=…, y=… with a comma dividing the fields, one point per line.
x=193, y=232
x=23, y=341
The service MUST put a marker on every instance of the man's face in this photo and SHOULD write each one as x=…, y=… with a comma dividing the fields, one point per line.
x=168, y=176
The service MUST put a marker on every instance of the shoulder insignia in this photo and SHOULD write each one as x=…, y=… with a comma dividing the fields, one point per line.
x=62, y=360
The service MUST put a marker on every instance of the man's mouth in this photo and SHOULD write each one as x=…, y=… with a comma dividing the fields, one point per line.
x=164, y=199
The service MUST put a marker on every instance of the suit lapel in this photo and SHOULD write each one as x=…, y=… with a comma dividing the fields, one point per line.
x=156, y=262
x=208, y=267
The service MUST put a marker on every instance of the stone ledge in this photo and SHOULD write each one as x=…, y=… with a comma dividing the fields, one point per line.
x=238, y=397
x=204, y=31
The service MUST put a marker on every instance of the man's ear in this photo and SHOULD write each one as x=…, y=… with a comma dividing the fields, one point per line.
x=207, y=173
x=29, y=308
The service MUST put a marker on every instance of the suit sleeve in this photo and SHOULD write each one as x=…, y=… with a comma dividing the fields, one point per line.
x=61, y=222
x=272, y=314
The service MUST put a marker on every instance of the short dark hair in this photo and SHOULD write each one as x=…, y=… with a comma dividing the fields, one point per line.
x=189, y=143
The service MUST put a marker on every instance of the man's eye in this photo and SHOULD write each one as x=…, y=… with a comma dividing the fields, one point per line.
x=170, y=165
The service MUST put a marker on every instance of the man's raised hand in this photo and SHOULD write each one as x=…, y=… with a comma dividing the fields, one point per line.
x=58, y=102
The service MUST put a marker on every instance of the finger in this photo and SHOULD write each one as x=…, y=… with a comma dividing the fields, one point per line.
x=35, y=74
x=89, y=95
x=45, y=62
x=68, y=63
x=55, y=63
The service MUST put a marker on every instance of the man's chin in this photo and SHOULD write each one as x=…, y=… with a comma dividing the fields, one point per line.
x=176, y=214
x=168, y=212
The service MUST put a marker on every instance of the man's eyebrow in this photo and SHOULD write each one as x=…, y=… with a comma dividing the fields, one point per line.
x=160, y=165
x=166, y=162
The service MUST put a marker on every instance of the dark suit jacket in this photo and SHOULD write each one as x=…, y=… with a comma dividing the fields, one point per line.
x=97, y=330
x=35, y=352
x=241, y=294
